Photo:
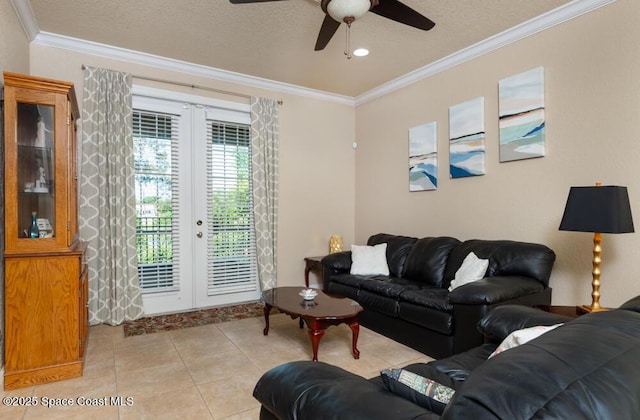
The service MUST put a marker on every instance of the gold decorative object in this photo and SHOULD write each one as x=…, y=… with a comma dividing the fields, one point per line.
x=335, y=244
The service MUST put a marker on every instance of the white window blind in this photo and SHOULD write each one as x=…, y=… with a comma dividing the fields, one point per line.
x=155, y=139
x=232, y=263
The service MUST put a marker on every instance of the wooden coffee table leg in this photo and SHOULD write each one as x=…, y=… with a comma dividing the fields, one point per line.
x=267, y=310
x=315, y=336
x=355, y=328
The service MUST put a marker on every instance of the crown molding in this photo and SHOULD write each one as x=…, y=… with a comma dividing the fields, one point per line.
x=138, y=57
x=27, y=18
x=547, y=20
x=540, y=23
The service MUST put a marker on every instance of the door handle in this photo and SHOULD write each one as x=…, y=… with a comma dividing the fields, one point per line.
x=199, y=223
x=199, y=234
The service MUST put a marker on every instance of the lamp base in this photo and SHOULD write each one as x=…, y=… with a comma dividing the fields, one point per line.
x=587, y=309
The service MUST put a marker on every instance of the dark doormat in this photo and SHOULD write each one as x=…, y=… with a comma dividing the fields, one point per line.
x=168, y=322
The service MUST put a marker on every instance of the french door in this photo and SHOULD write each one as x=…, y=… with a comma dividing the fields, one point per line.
x=195, y=238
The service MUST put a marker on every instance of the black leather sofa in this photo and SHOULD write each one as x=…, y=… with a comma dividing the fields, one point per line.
x=584, y=369
x=413, y=305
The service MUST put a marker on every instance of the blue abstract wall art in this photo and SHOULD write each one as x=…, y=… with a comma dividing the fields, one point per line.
x=423, y=157
x=467, y=139
x=522, y=119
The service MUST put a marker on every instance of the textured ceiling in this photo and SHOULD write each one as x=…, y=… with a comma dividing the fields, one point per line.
x=275, y=40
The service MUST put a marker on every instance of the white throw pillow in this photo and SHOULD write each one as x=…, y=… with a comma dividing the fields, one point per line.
x=522, y=336
x=369, y=260
x=472, y=269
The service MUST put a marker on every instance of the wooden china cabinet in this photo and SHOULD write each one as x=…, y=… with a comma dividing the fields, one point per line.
x=46, y=281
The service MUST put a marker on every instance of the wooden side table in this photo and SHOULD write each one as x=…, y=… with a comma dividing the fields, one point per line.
x=570, y=311
x=312, y=264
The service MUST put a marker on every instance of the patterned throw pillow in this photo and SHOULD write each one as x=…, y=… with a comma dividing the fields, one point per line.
x=425, y=392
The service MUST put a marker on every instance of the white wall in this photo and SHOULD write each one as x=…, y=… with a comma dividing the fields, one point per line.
x=592, y=74
x=14, y=46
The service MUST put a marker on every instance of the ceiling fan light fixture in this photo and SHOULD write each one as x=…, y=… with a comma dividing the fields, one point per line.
x=345, y=9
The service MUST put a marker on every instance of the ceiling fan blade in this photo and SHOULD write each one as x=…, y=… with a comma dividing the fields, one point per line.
x=249, y=1
x=394, y=10
x=328, y=28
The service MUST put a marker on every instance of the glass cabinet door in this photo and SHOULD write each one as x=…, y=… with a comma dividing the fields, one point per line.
x=39, y=165
x=36, y=212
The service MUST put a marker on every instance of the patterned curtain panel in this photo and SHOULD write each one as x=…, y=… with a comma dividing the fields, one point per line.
x=264, y=164
x=107, y=198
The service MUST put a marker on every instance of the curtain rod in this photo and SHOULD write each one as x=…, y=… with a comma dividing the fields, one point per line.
x=192, y=86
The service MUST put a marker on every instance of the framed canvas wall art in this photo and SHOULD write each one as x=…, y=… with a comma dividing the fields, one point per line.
x=522, y=116
x=467, y=139
x=423, y=157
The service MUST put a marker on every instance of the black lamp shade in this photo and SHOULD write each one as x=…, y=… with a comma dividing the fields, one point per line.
x=598, y=209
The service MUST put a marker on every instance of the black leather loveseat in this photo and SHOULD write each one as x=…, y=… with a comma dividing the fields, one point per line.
x=584, y=369
x=413, y=305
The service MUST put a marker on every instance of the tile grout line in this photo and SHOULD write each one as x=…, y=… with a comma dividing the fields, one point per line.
x=197, y=386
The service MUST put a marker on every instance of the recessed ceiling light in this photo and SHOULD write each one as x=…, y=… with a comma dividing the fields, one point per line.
x=361, y=52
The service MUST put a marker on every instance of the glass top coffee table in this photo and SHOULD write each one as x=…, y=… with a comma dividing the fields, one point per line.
x=319, y=314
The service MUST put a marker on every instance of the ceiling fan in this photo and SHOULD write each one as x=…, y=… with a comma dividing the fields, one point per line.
x=348, y=11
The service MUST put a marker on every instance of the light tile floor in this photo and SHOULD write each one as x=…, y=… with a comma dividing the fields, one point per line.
x=203, y=372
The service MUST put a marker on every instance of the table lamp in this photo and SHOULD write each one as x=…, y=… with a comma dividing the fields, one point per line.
x=599, y=209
